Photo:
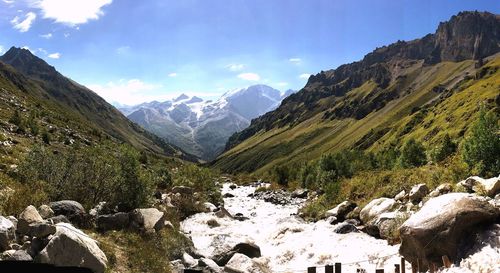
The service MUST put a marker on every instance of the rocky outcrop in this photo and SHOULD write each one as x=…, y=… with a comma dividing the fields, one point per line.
x=444, y=226
x=71, y=247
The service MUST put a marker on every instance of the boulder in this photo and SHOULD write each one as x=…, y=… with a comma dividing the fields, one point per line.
x=40, y=230
x=441, y=189
x=233, y=186
x=147, y=220
x=188, y=260
x=240, y=263
x=228, y=195
x=71, y=247
x=209, y=207
x=354, y=214
x=73, y=210
x=58, y=219
x=249, y=249
x=182, y=190
x=401, y=196
x=210, y=265
x=489, y=187
x=45, y=211
x=344, y=228
x=376, y=207
x=29, y=216
x=341, y=210
x=300, y=193
x=16, y=255
x=222, y=212
x=445, y=226
x=418, y=192
x=7, y=233
x=387, y=223
x=117, y=221
x=213, y=223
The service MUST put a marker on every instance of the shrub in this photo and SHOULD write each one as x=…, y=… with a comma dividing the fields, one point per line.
x=481, y=149
x=412, y=154
x=444, y=150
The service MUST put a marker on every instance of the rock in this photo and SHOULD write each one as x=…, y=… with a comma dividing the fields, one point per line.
x=233, y=186
x=376, y=207
x=182, y=190
x=444, y=226
x=16, y=255
x=189, y=261
x=418, y=192
x=249, y=249
x=117, y=221
x=100, y=209
x=13, y=220
x=210, y=265
x=45, y=211
x=209, y=207
x=344, y=228
x=213, y=223
x=147, y=220
x=7, y=233
x=332, y=220
x=169, y=225
x=177, y=266
x=222, y=212
x=489, y=187
x=71, y=247
x=441, y=189
x=58, y=219
x=73, y=210
x=387, y=223
x=15, y=246
x=341, y=210
x=354, y=214
x=240, y=263
x=29, y=216
x=228, y=195
x=401, y=196
x=240, y=217
x=300, y=193
x=41, y=230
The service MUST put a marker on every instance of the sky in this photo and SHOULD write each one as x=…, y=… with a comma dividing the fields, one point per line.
x=131, y=51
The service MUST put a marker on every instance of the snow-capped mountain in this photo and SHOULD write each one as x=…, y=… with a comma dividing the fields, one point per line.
x=202, y=127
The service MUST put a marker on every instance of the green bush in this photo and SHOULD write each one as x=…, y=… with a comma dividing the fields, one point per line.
x=444, y=150
x=481, y=149
x=412, y=154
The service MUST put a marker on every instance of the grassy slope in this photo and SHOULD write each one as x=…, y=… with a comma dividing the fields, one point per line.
x=315, y=136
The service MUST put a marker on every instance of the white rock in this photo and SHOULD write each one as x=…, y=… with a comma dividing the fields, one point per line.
x=188, y=260
x=240, y=263
x=7, y=233
x=376, y=207
x=418, y=192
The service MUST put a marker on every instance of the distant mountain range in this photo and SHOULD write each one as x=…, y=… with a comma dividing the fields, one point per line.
x=202, y=127
x=418, y=89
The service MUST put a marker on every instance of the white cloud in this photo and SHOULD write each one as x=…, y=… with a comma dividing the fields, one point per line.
x=295, y=60
x=2, y=49
x=66, y=35
x=25, y=24
x=305, y=76
x=249, y=77
x=129, y=92
x=73, y=12
x=123, y=50
x=173, y=74
x=281, y=84
x=46, y=36
x=8, y=1
x=235, y=67
x=54, y=55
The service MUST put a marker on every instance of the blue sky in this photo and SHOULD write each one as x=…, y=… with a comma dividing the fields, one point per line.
x=132, y=51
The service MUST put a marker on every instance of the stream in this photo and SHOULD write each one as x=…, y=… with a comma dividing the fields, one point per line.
x=287, y=243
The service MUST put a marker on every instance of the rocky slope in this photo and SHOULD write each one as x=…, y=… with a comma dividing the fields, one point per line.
x=50, y=104
x=203, y=127
x=417, y=89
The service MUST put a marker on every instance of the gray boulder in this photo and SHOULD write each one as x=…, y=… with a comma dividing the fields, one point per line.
x=71, y=247
x=40, y=230
x=300, y=193
x=418, y=192
x=29, y=216
x=117, y=221
x=209, y=265
x=341, y=210
x=240, y=263
x=73, y=210
x=444, y=226
x=147, y=220
x=401, y=196
x=188, y=260
x=375, y=208
x=16, y=255
x=7, y=233
x=45, y=211
x=441, y=189
x=344, y=228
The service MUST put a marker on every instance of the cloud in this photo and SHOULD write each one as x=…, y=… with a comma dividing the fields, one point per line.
x=129, y=92
x=25, y=24
x=305, y=76
x=249, y=77
x=8, y=1
x=46, y=36
x=173, y=74
x=235, y=67
x=54, y=55
x=73, y=12
x=281, y=84
x=295, y=60
x=123, y=50
x=2, y=49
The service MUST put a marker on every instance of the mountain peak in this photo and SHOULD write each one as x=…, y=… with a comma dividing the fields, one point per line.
x=26, y=62
x=181, y=97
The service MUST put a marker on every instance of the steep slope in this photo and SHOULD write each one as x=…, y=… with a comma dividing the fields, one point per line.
x=203, y=127
x=419, y=88
x=38, y=86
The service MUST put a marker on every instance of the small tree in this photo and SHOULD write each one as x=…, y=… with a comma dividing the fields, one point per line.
x=481, y=149
x=444, y=150
x=412, y=154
